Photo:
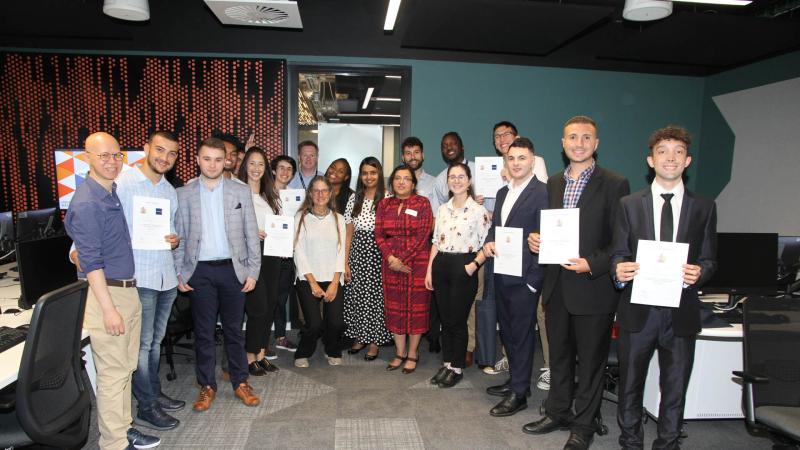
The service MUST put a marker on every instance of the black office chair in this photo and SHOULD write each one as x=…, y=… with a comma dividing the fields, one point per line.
x=51, y=404
x=179, y=326
x=771, y=372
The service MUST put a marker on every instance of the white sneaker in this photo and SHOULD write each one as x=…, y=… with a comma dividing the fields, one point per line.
x=500, y=367
x=301, y=362
x=334, y=361
x=544, y=379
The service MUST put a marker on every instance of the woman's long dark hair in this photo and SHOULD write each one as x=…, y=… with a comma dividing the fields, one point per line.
x=360, y=188
x=266, y=186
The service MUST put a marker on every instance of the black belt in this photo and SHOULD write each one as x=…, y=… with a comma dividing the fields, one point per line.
x=121, y=283
x=218, y=262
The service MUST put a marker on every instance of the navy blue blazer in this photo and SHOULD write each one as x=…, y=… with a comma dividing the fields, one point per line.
x=524, y=214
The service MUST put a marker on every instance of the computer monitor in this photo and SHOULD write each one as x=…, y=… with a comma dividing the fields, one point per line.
x=788, y=253
x=745, y=265
x=6, y=232
x=38, y=224
x=43, y=267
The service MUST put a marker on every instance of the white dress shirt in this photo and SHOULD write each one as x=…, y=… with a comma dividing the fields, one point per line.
x=511, y=198
x=658, y=203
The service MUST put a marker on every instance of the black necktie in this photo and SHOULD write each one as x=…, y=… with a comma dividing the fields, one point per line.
x=666, y=218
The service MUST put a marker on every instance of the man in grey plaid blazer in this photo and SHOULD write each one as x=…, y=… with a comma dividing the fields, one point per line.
x=217, y=262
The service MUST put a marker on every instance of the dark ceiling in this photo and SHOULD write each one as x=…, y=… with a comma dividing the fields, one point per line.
x=694, y=40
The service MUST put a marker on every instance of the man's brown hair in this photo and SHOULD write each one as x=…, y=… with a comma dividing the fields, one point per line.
x=672, y=132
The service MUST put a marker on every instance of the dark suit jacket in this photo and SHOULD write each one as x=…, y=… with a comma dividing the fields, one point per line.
x=593, y=292
x=524, y=214
x=697, y=227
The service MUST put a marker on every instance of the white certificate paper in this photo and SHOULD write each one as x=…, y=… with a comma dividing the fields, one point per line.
x=660, y=278
x=150, y=223
x=559, y=230
x=291, y=199
x=487, y=175
x=508, y=246
x=280, y=236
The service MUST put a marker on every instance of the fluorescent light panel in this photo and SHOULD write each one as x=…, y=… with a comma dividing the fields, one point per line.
x=391, y=15
x=366, y=99
x=385, y=99
x=367, y=115
x=396, y=77
x=718, y=2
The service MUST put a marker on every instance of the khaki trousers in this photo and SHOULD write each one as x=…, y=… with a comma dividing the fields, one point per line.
x=115, y=358
x=543, y=332
x=471, y=318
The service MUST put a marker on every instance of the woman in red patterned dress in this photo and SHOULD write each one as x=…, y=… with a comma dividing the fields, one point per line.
x=402, y=231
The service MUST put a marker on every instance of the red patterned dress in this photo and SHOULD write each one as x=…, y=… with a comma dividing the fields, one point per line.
x=403, y=229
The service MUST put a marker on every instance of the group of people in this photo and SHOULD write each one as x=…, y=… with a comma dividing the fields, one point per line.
x=394, y=260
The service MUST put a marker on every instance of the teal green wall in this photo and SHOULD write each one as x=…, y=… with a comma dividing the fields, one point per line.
x=718, y=140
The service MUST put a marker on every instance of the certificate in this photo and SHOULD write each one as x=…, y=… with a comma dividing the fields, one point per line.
x=150, y=223
x=508, y=249
x=280, y=236
x=660, y=278
x=291, y=199
x=559, y=230
x=487, y=175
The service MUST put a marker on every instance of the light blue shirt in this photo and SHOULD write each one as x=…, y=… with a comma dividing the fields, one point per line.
x=214, y=239
x=300, y=181
x=426, y=187
x=155, y=269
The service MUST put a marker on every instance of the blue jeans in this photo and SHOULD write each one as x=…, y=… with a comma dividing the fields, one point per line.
x=156, y=308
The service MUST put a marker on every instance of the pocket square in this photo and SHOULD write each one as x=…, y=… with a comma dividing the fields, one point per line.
x=238, y=206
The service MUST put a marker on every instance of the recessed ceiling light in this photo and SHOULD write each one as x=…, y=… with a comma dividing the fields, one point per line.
x=718, y=2
x=366, y=99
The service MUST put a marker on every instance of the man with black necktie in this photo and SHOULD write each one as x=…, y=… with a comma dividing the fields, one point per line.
x=664, y=211
x=579, y=298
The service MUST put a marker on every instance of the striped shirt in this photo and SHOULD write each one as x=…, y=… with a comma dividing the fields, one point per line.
x=574, y=187
x=155, y=269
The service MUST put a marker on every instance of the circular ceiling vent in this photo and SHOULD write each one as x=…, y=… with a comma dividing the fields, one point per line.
x=256, y=14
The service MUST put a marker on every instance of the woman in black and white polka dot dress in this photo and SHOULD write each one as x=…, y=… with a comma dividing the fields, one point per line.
x=363, y=291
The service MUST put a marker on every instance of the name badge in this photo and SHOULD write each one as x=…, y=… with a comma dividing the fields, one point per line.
x=411, y=212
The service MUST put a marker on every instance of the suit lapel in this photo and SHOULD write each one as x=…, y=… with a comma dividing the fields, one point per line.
x=228, y=202
x=686, y=213
x=592, y=187
x=520, y=201
x=647, y=209
x=557, y=195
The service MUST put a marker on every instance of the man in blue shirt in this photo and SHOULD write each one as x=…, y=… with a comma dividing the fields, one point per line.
x=96, y=224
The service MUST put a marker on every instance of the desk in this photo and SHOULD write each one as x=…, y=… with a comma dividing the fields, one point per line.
x=10, y=359
x=712, y=391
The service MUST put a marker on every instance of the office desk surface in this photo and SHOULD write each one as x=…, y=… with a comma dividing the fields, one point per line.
x=9, y=359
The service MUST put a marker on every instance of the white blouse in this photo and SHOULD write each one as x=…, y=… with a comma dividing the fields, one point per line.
x=262, y=211
x=461, y=230
x=318, y=251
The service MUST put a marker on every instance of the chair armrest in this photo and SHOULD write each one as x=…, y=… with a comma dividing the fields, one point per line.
x=750, y=377
x=8, y=398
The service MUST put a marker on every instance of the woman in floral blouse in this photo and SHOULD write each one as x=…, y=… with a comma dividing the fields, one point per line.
x=461, y=227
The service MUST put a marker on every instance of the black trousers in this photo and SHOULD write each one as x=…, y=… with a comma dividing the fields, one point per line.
x=675, y=360
x=455, y=293
x=260, y=305
x=217, y=290
x=516, y=312
x=586, y=337
x=283, y=289
x=332, y=314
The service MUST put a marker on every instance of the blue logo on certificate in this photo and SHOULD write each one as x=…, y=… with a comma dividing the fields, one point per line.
x=297, y=198
x=494, y=166
x=285, y=226
x=158, y=211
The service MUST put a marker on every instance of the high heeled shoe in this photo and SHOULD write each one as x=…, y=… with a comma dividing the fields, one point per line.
x=368, y=357
x=391, y=367
x=355, y=350
x=406, y=370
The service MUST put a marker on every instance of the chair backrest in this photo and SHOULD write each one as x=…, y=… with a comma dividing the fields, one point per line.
x=52, y=402
x=772, y=349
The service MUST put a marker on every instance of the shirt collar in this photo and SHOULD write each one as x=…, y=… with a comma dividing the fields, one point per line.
x=467, y=204
x=97, y=189
x=585, y=174
x=140, y=177
x=657, y=189
x=521, y=186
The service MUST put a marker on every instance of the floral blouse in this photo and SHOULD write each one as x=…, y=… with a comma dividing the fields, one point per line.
x=461, y=230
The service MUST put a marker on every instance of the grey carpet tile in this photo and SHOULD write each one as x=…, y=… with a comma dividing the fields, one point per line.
x=292, y=434
x=382, y=433
x=426, y=384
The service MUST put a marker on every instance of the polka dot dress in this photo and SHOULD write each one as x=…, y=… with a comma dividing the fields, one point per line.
x=363, y=295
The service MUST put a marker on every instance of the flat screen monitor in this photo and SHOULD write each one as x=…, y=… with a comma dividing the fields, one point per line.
x=788, y=252
x=746, y=265
x=43, y=267
x=38, y=224
x=6, y=232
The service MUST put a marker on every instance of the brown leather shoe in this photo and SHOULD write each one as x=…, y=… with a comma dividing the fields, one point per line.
x=245, y=393
x=204, y=399
x=468, y=359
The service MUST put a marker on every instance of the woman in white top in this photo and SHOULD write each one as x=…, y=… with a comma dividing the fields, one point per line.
x=260, y=302
x=461, y=226
x=319, y=249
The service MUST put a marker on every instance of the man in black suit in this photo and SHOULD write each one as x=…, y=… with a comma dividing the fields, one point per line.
x=579, y=298
x=518, y=206
x=664, y=211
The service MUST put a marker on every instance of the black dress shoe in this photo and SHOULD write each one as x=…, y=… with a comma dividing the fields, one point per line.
x=268, y=365
x=170, y=404
x=436, y=379
x=255, y=369
x=544, y=425
x=155, y=418
x=509, y=406
x=579, y=441
x=503, y=389
x=451, y=378
x=355, y=350
x=434, y=347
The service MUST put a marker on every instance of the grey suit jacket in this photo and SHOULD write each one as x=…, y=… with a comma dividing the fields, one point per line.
x=240, y=226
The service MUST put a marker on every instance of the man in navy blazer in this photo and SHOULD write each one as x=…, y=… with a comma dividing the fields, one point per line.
x=664, y=211
x=518, y=206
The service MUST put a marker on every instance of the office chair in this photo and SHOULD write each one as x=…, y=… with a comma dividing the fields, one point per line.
x=51, y=404
x=771, y=372
x=179, y=325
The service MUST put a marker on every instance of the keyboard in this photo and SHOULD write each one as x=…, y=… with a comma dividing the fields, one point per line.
x=10, y=337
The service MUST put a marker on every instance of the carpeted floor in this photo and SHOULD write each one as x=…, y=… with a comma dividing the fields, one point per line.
x=362, y=406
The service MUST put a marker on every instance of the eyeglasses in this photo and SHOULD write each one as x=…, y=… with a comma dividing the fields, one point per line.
x=457, y=177
x=105, y=156
x=502, y=135
x=320, y=191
